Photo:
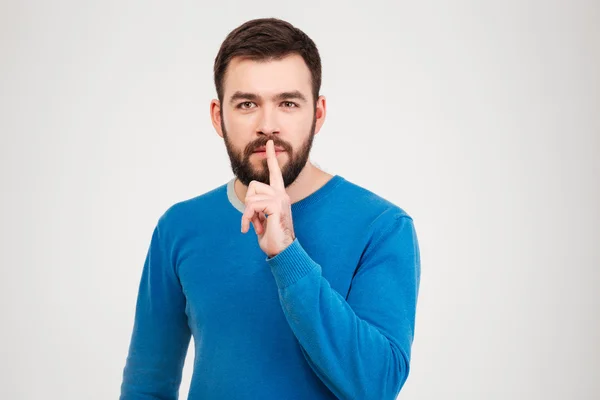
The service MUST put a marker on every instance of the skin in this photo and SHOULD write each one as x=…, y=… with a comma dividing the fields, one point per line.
x=276, y=232
x=270, y=102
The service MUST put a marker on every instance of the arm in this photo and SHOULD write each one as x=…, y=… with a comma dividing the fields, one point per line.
x=359, y=347
x=161, y=334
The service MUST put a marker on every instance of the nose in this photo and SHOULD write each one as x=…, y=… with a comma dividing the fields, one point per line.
x=267, y=123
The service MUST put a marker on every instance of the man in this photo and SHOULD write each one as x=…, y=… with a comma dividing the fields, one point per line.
x=294, y=283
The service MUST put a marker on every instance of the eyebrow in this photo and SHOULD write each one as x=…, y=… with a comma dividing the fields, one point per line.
x=295, y=94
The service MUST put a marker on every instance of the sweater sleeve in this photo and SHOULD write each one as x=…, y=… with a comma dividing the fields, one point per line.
x=161, y=335
x=360, y=347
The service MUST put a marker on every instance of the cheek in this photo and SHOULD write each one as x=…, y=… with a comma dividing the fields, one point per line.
x=238, y=122
x=297, y=124
x=240, y=129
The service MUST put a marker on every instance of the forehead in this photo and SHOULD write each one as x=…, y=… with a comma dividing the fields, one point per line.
x=267, y=77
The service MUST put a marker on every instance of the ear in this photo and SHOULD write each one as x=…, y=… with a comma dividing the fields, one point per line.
x=215, y=116
x=321, y=112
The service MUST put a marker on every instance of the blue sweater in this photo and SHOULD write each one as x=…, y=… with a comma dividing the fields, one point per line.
x=332, y=316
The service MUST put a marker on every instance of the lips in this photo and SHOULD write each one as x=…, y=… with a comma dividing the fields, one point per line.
x=264, y=149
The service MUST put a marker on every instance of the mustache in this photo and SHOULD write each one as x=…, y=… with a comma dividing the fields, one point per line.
x=263, y=143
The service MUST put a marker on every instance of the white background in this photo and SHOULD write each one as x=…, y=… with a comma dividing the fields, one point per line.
x=480, y=119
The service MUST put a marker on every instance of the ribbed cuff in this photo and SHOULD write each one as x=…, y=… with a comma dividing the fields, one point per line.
x=291, y=264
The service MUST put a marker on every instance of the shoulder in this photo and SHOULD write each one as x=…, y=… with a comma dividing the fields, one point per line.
x=380, y=211
x=191, y=211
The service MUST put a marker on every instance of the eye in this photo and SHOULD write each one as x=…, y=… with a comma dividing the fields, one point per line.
x=244, y=104
x=290, y=104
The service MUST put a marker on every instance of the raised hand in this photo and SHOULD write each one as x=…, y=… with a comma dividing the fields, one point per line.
x=276, y=232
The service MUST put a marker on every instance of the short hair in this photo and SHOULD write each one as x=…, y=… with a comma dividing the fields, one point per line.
x=266, y=39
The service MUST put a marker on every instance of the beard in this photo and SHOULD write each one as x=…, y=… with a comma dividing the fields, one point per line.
x=244, y=170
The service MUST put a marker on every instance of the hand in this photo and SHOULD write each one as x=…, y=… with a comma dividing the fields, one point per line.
x=276, y=232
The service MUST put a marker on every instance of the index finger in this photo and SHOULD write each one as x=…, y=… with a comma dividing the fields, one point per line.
x=275, y=177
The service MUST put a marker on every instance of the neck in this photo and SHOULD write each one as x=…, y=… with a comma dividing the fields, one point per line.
x=310, y=179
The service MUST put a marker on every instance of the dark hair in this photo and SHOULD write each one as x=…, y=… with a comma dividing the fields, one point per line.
x=267, y=39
